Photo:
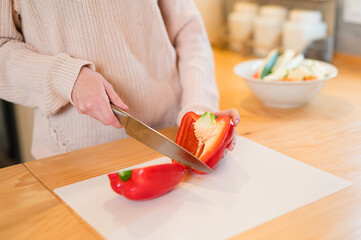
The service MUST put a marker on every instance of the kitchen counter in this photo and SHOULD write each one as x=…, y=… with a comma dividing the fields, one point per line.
x=325, y=134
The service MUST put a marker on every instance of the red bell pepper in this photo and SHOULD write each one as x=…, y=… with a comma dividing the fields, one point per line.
x=206, y=136
x=148, y=182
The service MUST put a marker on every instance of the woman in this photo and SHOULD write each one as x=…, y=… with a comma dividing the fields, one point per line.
x=69, y=59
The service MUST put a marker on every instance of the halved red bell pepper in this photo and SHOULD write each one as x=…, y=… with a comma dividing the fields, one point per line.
x=205, y=136
x=148, y=182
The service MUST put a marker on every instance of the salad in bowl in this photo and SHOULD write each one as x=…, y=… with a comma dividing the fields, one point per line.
x=285, y=80
x=289, y=67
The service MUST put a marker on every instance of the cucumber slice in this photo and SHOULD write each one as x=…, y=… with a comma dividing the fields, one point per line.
x=318, y=70
x=279, y=70
x=296, y=61
x=283, y=60
x=276, y=76
x=269, y=63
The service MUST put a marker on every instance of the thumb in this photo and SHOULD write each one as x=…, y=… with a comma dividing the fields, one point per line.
x=114, y=98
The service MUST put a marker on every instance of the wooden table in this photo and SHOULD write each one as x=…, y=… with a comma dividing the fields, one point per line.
x=325, y=134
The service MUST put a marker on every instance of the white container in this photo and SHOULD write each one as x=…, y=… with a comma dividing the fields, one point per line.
x=268, y=28
x=212, y=15
x=305, y=16
x=246, y=8
x=240, y=24
x=274, y=12
x=303, y=27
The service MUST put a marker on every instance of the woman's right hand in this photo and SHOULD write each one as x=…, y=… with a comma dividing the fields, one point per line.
x=92, y=95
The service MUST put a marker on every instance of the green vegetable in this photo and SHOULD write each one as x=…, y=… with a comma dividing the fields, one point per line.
x=283, y=60
x=296, y=62
x=270, y=61
x=125, y=175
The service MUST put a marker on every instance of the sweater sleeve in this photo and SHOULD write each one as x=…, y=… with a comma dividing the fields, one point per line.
x=28, y=77
x=195, y=58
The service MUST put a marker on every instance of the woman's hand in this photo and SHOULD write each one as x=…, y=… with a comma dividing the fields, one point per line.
x=92, y=95
x=233, y=114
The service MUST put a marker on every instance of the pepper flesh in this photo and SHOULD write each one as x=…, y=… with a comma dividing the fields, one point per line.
x=206, y=136
x=148, y=182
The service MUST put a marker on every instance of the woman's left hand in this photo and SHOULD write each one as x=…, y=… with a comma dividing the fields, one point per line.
x=233, y=114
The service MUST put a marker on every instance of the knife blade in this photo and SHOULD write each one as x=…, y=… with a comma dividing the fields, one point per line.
x=157, y=141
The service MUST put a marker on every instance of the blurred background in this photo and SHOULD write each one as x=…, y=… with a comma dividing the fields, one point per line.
x=256, y=26
x=318, y=28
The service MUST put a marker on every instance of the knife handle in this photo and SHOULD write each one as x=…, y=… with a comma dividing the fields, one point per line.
x=121, y=114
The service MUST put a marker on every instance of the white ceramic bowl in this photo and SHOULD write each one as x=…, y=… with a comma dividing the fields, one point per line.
x=282, y=94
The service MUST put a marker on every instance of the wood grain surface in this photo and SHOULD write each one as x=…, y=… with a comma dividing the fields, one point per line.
x=87, y=163
x=29, y=211
x=326, y=134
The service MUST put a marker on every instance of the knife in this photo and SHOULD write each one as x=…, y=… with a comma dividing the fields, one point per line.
x=158, y=141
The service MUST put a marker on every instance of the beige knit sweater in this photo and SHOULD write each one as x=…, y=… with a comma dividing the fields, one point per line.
x=155, y=54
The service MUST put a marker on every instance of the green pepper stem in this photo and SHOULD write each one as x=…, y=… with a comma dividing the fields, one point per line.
x=125, y=175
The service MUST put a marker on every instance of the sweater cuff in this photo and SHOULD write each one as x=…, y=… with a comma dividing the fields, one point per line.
x=197, y=108
x=66, y=73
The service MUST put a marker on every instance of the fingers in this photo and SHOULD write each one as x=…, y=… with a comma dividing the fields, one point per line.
x=98, y=107
x=235, y=117
x=108, y=116
x=113, y=96
x=103, y=112
x=232, y=113
x=233, y=143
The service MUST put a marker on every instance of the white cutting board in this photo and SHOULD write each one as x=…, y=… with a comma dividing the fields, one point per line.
x=251, y=185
